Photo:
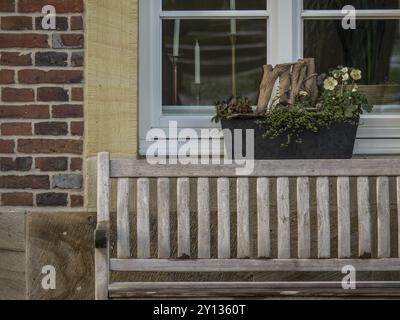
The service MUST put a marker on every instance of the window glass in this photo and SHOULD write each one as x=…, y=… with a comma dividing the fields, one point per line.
x=214, y=4
x=374, y=47
x=214, y=59
x=358, y=4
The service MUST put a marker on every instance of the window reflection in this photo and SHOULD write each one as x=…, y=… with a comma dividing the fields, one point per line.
x=214, y=4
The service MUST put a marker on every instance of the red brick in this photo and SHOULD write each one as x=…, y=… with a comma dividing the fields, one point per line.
x=16, y=23
x=25, y=182
x=52, y=76
x=50, y=146
x=77, y=94
x=15, y=59
x=51, y=128
x=6, y=76
x=68, y=40
x=24, y=112
x=17, y=95
x=52, y=164
x=23, y=40
x=67, y=111
x=7, y=146
x=77, y=128
x=76, y=201
x=7, y=5
x=16, y=199
x=17, y=164
x=17, y=129
x=62, y=6
x=76, y=164
x=76, y=23
x=52, y=94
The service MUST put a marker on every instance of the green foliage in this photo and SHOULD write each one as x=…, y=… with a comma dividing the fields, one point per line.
x=339, y=102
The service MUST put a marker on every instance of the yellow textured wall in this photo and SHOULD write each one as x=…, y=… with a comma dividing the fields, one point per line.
x=111, y=83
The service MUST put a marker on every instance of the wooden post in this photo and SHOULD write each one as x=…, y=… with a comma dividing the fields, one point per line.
x=102, y=238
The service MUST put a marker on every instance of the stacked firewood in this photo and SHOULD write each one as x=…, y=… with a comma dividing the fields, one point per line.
x=292, y=78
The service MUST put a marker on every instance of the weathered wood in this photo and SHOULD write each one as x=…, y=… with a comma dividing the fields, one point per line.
x=310, y=84
x=163, y=218
x=283, y=218
x=123, y=226
x=12, y=256
x=143, y=218
x=243, y=218
x=382, y=187
x=303, y=218
x=398, y=211
x=343, y=206
x=204, y=224
x=364, y=217
x=262, y=168
x=248, y=265
x=263, y=218
x=323, y=214
x=298, y=76
x=68, y=247
x=183, y=217
x=102, y=256
x=224, y=219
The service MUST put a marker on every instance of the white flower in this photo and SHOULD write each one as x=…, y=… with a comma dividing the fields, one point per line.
x=346, y=77
x=303, y=93
x=345, y=70
x=356, y=74
x=330, y=84
x=355, y=88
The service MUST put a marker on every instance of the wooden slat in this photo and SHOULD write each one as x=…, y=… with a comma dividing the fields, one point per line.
x=263, y=219
x=143, y=218
x=323, y=213
x=283, y=218
x=163, y=218
x=398, y=212
x=303, y=218
x=243, y=218
x=343, y=205
x=364, y=218
x=123, y=227
x=382, y=187
x=260, y=265
x=224, y=219
x=183, y=217
x=267, y=168
x=103, y=220
x=204, y=224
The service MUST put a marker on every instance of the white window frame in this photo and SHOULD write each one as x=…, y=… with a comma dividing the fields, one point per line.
x=378, y=134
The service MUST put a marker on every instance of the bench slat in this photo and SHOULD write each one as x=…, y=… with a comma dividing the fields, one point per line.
x=343, y=207
x=283, y=218
x=323, y=213
x=243, y=218
x=303, y=217
x=143, y=218
x=263, y=218
x=364, y=217
x=246, y=265
x=267, y=168
x=204, y=224
x=183, y=217
x=398, y=211
x=224, y=220
x=163, y=212
x=382, y=186
x=123, y=226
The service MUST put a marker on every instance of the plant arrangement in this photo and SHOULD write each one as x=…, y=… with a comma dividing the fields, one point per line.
x=338, y=101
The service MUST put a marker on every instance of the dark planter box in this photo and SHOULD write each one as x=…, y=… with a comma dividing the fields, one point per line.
x=336, y=142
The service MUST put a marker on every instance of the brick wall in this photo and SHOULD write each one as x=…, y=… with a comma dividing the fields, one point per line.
x=41, y=105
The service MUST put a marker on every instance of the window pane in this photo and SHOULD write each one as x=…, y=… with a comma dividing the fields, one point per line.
x=204, y=72
x=374, y=47
x=214, y=4
x=358, y=4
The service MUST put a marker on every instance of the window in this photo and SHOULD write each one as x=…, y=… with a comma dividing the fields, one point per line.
x=194, y=52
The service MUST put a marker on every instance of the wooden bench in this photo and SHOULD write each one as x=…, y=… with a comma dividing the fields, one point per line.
x=281, y=173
